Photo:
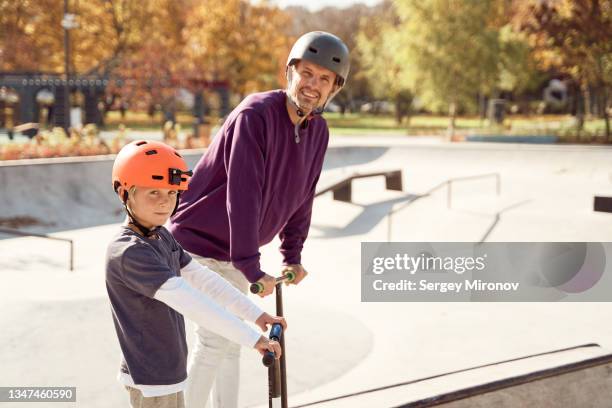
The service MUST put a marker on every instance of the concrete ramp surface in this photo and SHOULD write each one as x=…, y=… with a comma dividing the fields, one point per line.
x=573, y=377
x=341, y=352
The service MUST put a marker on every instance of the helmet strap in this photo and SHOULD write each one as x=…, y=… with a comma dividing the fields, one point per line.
x=178, y=197
x=300, y=112
x=303, y=121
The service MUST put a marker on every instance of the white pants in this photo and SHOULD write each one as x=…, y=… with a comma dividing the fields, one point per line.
x=215, y=360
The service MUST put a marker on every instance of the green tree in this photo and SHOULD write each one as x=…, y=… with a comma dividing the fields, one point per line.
x=380, y=53
x=518, y=70
x=452, y=49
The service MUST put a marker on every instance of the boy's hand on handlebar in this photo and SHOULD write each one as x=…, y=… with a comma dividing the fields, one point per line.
x=265, y=319
x=264, y=344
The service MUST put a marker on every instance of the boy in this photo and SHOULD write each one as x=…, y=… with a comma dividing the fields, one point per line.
x=152, y=282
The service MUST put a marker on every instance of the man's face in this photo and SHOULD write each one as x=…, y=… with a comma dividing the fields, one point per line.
x=152, y=206
x=311, y=84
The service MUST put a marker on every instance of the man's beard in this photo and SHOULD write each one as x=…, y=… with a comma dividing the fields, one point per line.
x=304, y=104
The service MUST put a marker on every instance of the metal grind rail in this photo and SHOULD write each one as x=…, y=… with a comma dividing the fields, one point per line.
x=449, y=195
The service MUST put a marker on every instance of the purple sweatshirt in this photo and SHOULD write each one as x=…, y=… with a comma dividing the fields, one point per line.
x=254, y=182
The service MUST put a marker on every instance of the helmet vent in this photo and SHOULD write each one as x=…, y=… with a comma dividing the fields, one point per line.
x=151, y=152
x=157, y=177
x=141, y=143
x=178, y=155
x=313, y=50
x=336, y=59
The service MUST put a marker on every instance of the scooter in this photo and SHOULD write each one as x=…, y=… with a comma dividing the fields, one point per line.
x=277, y=369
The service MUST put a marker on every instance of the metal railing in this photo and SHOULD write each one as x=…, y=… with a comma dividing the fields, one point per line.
x=497, y=217
x=449, y=193
x=342, y=190
x=33, y=234
x=602, y=204
x=480, y=176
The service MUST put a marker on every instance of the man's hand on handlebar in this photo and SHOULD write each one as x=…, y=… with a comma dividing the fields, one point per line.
x=299, y=272
x=268, y=283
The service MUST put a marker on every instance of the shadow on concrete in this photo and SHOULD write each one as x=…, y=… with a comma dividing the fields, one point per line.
x=371, y=215
x=344, y=156
x=53, y=228
x=33, y=261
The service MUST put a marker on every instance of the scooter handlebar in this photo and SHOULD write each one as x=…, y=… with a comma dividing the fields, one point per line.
x=258, y=287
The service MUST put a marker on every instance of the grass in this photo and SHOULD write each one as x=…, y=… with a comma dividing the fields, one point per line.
x=356, y=124
x=364, y=125
x=368, y=124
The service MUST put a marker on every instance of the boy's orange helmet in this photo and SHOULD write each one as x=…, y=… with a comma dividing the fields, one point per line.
x=150, y=164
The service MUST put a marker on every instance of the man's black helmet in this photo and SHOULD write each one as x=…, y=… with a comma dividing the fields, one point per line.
x=323, y=49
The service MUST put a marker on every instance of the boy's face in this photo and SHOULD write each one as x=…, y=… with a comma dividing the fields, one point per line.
x=152, y=206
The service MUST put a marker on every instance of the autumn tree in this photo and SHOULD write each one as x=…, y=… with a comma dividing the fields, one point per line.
x=152, y=48
x=238, y=42
x=574, y=36
x=31, y=36
x=139, y=42
x=148, y=53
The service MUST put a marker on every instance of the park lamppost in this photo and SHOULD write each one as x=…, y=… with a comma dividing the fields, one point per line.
x=8, y=102
x=68, y=23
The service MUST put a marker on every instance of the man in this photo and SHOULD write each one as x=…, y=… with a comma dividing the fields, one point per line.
x=258, y=180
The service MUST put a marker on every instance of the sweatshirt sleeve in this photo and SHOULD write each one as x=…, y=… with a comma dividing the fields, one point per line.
x=199, y=308
x=245, y=168
x=221, y=291
x=294, y=233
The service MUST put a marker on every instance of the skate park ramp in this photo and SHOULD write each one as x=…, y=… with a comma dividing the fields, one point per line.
x=541, y=184
x=51, y=195
x=574, y=377
x=547, y=183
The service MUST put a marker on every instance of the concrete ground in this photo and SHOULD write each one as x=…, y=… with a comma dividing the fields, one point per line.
x=57, y=326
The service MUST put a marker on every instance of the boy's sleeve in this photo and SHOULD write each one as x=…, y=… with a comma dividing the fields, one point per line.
x=221, y=291
x=143, y=271
x=199, y=308
x=185, y=258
